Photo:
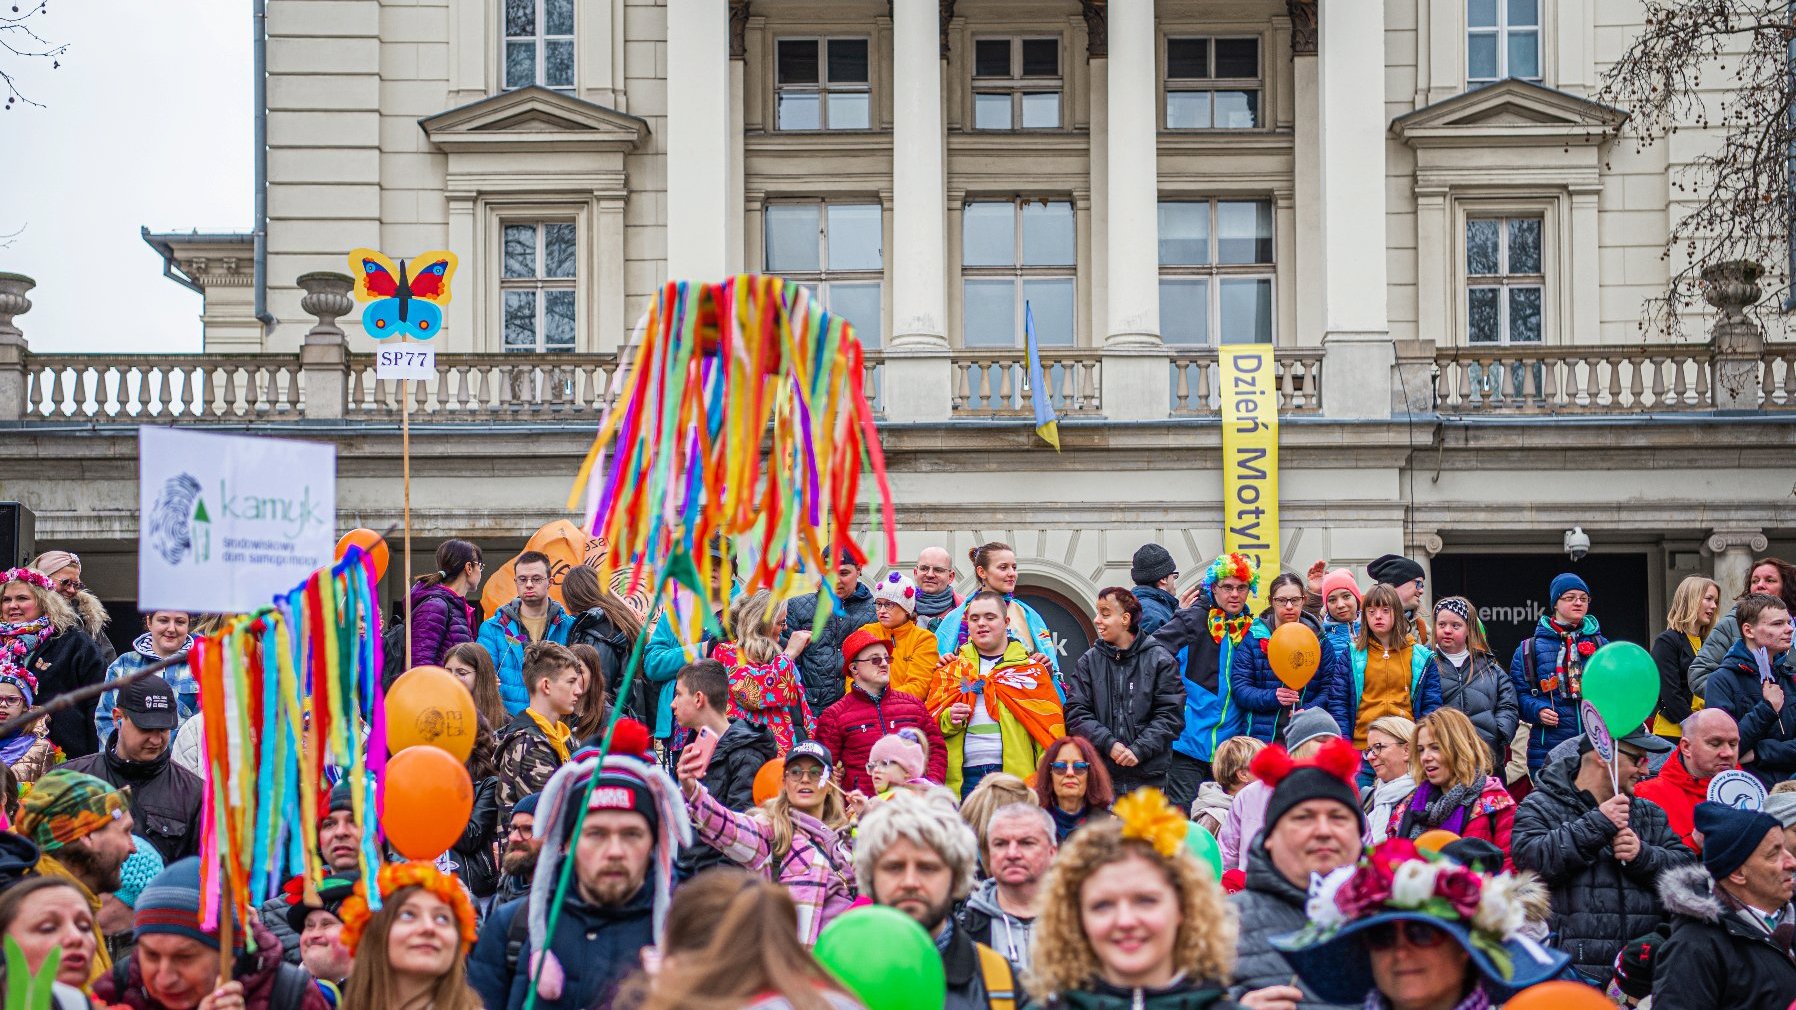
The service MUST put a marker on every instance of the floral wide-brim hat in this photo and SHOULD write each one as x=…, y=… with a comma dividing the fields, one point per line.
x=1395, y=882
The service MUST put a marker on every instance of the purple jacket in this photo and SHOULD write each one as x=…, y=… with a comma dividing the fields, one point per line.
x=441, y=620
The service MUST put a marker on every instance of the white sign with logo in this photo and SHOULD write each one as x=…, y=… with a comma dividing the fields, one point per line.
x=226, y=522
x=1737, y=789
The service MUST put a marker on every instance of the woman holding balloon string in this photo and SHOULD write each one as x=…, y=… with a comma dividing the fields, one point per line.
x=1269, y=699
x=1455, y=791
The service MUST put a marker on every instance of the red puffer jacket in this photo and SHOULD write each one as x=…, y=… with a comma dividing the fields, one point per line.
x=851, y=727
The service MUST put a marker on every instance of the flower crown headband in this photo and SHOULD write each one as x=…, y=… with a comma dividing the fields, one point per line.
x=1147, y=816
x=1239, y=566
x=1395, y=876
x=27, y=575
x=20, y=676
x=395, y=877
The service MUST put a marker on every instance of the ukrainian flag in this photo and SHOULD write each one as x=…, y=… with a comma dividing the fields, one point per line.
x=1047, y=423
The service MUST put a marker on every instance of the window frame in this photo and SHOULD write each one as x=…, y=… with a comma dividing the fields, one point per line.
x=1017, y=84
x=1503, y=281
x=1258, y=84
x=541, y=39
x=1018, y=273
x=539, y=284
x=820, y=280
x=1216, y=271
x=1501, y=31
x=823, y=87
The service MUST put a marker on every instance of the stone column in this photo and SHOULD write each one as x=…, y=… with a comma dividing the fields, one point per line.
x=1307, y=188
x=698, y=140
x=1356, y=335
x=324, y=354
x=13, y=348
x=918, y=371
x=1737, y=339
x=1733, y=551
x=1135, y=360
x=735, y=209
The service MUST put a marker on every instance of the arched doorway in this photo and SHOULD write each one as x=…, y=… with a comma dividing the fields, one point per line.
x=1066, y=621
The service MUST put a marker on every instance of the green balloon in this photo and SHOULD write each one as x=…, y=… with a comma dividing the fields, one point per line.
x=1622, y=681
x=1203, y=845
x=884, y=959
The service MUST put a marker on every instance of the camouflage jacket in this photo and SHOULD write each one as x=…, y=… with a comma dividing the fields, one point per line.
x=526, y=761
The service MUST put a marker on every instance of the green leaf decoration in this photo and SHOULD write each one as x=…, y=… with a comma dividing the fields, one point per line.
x=24, y=990
x=1499, y=957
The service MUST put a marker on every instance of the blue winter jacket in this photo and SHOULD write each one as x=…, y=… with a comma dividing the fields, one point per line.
x=597, y=948
x=1424, y=687
x=1534, y=700
x=947, y=634
x=504, y=636
x=1157, y=607
x=179, y=676
x=1770, y=735
x=1206, y=666
x=1255, y=686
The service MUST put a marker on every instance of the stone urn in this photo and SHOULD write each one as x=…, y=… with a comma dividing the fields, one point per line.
x=13, y=303
x=327, y=296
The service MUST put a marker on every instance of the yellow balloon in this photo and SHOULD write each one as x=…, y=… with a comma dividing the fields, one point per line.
x=428, y=706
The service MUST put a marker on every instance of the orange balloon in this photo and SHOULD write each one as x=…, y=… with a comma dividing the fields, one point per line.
x=429, y=706
x=427, y=800
x=1436, y=840
x=1294, y=653
x=1559, y=995
x=770, y=780
x=369, y=541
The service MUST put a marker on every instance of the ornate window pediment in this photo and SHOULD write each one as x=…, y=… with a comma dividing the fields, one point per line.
x=534, y=118
x=1509, y=112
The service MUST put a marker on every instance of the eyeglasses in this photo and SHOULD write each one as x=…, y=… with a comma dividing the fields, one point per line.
x=1062, y=767
x=1636, y=756
x=11, y=702
x=808, y=773
x=76, y=584
x=1420, y=935
x=1575, y=598
x=1287, y=601
x=934, y=570
x=1380, y=748
x=875, y=660
x=532, y=580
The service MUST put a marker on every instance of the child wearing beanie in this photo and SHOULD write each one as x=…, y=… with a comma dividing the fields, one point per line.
x=897, y=762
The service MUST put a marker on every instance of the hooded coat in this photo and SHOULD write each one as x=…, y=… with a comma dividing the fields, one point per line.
x=441, y=620
x=1205, y=667
x=1765, y=733
x=1677, y=792
x=1483, y=691
x=165, y=797
x=820, y=664
x=1157, y=607
x=92, y=617
x=598, y=946
x=1599, y=903
x=1268, y=906
x=179, y=676
x=1716, y=957
x=1255, y=685
x=1720, y=639
x=987, y=922
x=1133, y=696
x=64, y=662
x=1529, y=680
x=504, y=636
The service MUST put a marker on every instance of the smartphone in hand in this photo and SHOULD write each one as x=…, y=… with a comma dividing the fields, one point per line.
x=703, y=745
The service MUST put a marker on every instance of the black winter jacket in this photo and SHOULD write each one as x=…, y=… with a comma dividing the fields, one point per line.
x=1269, y=906
x=1766, y=733
x=1192, y=994
x=1133, y=695
x=473, y=852
x=1483, y=691
x=730, y=779
x=595, y=628
x=820, y=664
x=62, y=663
x=1673, y=656
x=165, y=797
x=1715, y=958
x=1599, y=904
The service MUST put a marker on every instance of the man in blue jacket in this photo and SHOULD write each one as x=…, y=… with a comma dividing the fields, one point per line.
x=1203, y=637
x=1548, y=668
x=1754, y=685
x=532, y=617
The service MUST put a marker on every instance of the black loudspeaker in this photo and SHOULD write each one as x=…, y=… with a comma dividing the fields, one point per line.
x=18, y=534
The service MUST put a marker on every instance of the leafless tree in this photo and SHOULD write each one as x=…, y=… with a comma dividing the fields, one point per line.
x=22, y=44
x=1720, y=66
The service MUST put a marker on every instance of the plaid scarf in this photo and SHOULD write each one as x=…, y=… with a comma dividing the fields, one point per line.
x=18, y=640
x=1478, y=999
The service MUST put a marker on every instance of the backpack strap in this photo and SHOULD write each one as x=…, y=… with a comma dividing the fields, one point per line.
x=1000, y=980
x=517, y=937
x=290, y=984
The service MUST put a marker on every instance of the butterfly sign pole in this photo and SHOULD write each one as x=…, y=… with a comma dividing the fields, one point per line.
x=404, y=300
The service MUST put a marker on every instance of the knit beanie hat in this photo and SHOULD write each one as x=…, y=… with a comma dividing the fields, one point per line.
x=1329, y=775
x=1309, y=724
x=1564, y=583
x=900, y=752
x=527, y=805
x=333, y=891
x=898, y=588
x=1634, y=965
x=340, y=801
x=1151, y=564
x=68, y=805
x=1730, y=836
x=140, y=868
x=1339, y=578
x=1783, y=807
x=1393, y=570
x=170, y=905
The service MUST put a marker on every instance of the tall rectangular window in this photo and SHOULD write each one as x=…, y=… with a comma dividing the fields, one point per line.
x=1012, y=252
x=1016, y=84
x=536, y=285
x=1216, y=271
x=836, y=250
x=1213, y=83
x=822, y=84
x=1502, y=40
x=539, y=43
x=1505, y=283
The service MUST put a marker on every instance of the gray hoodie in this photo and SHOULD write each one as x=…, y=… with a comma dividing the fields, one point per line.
x=991, y=925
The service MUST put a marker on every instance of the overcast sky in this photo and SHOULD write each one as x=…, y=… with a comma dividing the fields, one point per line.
x=147, y=122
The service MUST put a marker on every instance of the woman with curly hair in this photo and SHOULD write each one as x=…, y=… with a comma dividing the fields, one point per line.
x=40, y=632
x=1129, y=920
x=412, y=954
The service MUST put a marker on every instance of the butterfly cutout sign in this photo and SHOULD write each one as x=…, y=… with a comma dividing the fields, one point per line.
x=405, y=300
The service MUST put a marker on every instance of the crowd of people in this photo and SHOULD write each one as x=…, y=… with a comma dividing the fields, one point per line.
x=1422, y=825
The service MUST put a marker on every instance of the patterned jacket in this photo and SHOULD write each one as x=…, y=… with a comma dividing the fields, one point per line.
x=818, y=870
x=526, y=762
x=142, y=654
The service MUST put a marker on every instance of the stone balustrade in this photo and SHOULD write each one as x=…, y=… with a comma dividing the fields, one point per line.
x=995, y=383
x=1197, y=381
x=168, y=387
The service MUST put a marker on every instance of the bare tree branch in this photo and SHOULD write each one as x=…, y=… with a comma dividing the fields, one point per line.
x=18, y=38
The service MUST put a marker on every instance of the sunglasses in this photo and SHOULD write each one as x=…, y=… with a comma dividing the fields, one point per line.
x=809, y=773
x=1420, y=935
x=1062, y=767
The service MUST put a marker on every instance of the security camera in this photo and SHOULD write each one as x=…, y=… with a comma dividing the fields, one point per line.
x=1577, y=543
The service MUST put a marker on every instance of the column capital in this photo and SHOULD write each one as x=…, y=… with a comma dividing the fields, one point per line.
x=1097, y=31
x=1303, y=26
x=738, y=29
x=1722, y=540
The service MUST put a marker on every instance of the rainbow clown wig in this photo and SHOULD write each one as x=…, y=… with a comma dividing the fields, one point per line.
x=1232, y=564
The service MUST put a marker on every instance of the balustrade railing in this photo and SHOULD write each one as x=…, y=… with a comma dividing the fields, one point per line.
x=167, y=387
x=995, y=383
x=1196, y=374
x=491, y=387
x=1777, y=377
x=1539, y=379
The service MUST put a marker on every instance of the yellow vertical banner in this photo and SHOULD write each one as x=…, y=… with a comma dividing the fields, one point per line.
x=1250, y=459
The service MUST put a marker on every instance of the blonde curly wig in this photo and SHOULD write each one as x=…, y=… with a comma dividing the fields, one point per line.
x=1062, y=958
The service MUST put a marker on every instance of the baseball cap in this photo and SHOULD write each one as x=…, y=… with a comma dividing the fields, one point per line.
x=813, y=750
x=150, y=704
